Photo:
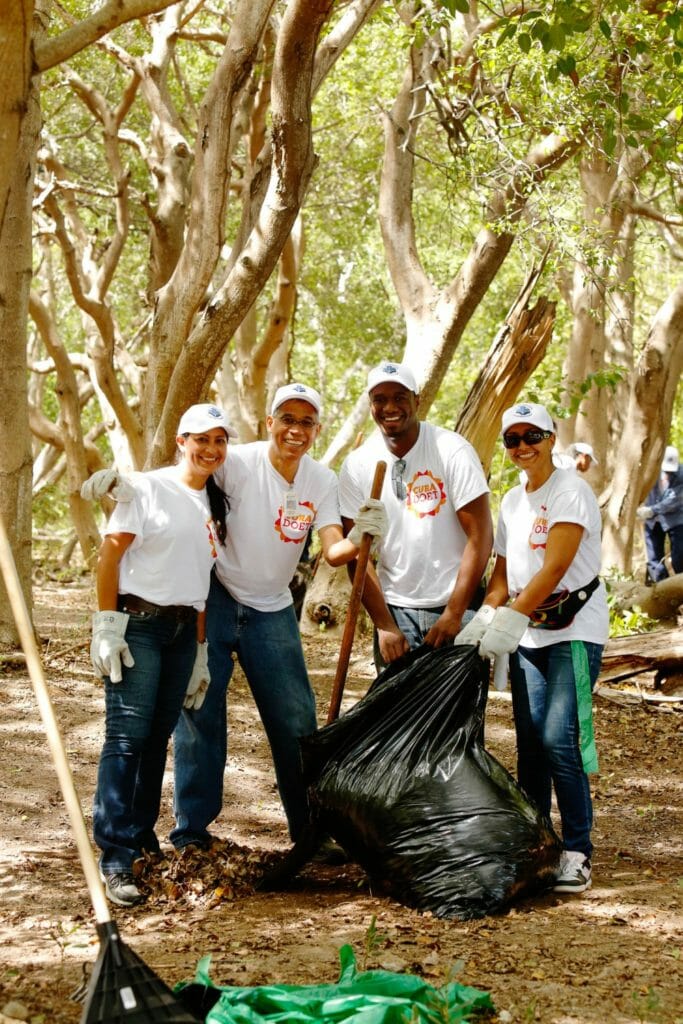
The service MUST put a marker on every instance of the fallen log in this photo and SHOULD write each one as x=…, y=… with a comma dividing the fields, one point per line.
x=660, y=651
x=660, y=601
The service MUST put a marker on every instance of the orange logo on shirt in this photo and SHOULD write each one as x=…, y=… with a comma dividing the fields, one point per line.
x=425, y=495
x=539, y=530
x=293, y=529
x=211, y=529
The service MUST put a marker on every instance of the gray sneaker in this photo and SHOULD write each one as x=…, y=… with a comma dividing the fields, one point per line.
x=574, y=873
x=121, y=889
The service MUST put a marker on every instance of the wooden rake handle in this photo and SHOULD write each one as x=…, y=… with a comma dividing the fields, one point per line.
x=54, y=739
x=354, y=605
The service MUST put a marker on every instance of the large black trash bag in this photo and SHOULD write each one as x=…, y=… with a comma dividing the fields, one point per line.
x=404, y=783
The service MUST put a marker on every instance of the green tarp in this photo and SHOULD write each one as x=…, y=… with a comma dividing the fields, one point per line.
x=359, y=997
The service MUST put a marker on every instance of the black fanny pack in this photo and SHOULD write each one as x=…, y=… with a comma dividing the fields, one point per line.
x=559, y=610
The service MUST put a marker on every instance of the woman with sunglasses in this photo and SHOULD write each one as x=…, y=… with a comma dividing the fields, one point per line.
x=546, y=607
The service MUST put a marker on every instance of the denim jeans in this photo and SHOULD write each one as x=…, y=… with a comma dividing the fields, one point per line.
x=141, y=713
x=546, y=722
x=414, y=623
x=268, y=647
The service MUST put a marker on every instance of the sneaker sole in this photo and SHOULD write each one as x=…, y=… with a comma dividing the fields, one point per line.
x=569, y=889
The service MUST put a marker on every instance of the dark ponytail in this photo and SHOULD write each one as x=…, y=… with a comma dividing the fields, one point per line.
x=219, y=503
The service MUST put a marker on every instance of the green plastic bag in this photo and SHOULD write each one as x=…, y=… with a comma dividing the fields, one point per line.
x=367, y=997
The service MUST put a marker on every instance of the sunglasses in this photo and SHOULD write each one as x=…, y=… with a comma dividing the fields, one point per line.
x=529, y=437
x=397, y=481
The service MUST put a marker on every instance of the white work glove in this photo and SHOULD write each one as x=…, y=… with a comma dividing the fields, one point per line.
x=107, y=482
x=644, y=512
x=500, y=672
x=504, y=633
x=108, y=647
x=476, y=627
x=371, y=518
x=199, y=680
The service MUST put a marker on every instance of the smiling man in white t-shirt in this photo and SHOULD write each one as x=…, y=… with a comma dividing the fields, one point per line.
x=277, y=494
x=440, y=535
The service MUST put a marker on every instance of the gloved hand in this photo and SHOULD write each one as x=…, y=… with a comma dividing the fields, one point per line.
x=504, y=633
x=644, y=512
x=476, y=627
x=199, y=680
x=370, y=518
x=108, y=647
x=107, y=482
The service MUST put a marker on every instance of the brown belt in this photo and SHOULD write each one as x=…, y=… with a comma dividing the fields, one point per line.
x=178, y=612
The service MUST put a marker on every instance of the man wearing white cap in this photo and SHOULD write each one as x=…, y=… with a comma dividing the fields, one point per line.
x=662, y=516
x=277, y=494
x=583, y=455
x=434, y=554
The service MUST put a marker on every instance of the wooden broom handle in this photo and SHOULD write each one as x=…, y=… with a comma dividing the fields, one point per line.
x=354, y=605
x=54, y=739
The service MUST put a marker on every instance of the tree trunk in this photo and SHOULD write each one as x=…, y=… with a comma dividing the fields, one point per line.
x=15, y=283
x=517, y=350
x=16, y=22
x=639, y=455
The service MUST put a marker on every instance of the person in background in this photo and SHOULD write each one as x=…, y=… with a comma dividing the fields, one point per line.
x=432, y=559
x=153, y=577
x=662, y=518
x=583, y=456
x=546, y=607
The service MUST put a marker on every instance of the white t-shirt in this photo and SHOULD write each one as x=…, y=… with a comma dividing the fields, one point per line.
x=420, y=556
x=174, y=550
x=523, y=525
x=269, y=522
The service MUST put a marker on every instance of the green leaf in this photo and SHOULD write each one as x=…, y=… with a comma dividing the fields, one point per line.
x=462, y=5
x=556, y=38
x=605, y=29
x=507, y=33
x=524, y=42
x=566, y=64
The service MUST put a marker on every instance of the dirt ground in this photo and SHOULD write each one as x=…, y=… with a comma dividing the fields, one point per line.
x=611, y=956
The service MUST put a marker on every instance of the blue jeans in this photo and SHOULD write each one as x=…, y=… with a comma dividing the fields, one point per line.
x=546, y=722
x=655, y=541
x=414, y=623
x=141, y=713
x=268, y=647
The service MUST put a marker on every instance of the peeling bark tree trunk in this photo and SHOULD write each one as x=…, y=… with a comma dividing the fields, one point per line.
x=641, y=447
x=517, y=350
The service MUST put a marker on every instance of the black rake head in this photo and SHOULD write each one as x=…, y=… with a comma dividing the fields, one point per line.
x=124, y=990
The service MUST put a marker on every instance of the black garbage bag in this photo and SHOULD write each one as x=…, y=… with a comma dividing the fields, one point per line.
x=404, y=784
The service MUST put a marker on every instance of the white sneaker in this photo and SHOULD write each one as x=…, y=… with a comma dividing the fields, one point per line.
x=574, y=873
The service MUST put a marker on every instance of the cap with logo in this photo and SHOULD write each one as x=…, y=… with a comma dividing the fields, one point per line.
x=671, y=460
x=204, y=416
x=298, y=391
x=395, y=373
x=582, y=448
x=528, y=412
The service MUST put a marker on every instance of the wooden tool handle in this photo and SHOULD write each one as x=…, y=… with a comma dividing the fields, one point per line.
x=54, y=739
x=354, y=605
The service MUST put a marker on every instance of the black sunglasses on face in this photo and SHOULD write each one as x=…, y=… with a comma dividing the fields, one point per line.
x=397, y=479
x=529, y=437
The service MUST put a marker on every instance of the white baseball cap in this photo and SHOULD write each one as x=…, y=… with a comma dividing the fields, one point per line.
x=671, y=459
x=582, y=448
x=395, y=373
x=299, y=391
x=528, y=412
x=204, y=416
